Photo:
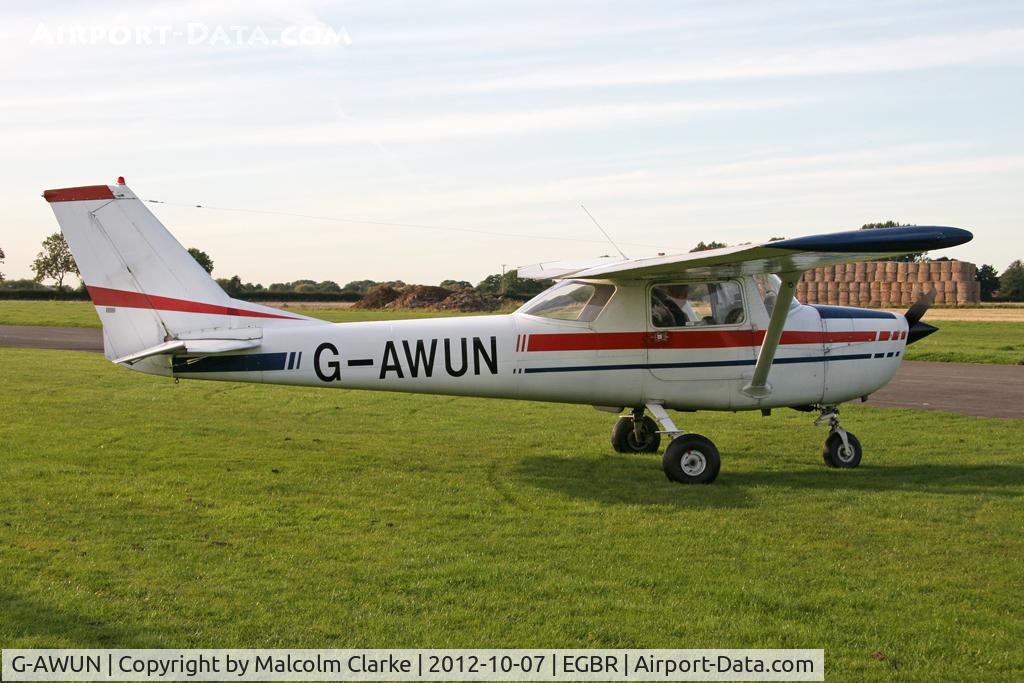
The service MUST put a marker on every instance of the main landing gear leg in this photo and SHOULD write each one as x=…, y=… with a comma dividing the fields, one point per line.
x=842, y=449
x=689, y=458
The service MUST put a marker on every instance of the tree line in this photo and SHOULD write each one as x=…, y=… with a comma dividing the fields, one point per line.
x=54, y=263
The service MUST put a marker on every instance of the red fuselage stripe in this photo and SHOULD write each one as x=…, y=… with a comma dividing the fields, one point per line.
x=102, y=296
x=690, y=339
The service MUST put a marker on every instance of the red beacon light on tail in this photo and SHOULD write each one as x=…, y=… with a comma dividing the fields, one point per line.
x=120, y=180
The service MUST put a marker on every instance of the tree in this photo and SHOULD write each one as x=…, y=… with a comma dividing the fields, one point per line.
x=908, y=258
x=1011, y=282
x=55, y=260
x=361, y=286
x=490, y=285
x=456, y=284
x=511, y=285
x=702, y=246
x=234, y=286
x=2, y=257
x=328, y=286
x=20, y=284
x=202, y=258
x=989, y=279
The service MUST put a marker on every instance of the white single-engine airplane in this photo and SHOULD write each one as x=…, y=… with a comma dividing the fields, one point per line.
x=713, y=330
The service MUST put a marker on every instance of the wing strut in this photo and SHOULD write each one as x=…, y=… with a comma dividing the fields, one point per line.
x=759, y=387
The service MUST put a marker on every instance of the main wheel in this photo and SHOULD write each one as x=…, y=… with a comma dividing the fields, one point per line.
x=836, y=454
x=691, y=459
x=626, y=440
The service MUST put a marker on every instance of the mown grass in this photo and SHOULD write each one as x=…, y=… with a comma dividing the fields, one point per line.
x=140, y=513
x=961, y=341
x=956, y=341
x=49, y=313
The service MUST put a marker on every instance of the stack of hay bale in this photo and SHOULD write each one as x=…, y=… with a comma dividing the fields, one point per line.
x=888, y=283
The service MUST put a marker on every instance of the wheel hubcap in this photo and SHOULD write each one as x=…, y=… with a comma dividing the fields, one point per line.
x=844, y=454
x=693, y=463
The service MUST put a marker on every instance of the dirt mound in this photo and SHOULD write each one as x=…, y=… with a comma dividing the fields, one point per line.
x=420, y=296
x=424, y=296
x=378, y=297
x=469, y=301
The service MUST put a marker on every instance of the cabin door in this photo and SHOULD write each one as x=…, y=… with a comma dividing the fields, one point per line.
x=700, y=332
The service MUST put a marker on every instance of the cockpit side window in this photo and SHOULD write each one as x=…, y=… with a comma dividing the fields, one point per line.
x=574, y=301
x=768, y=286
x=698, y=304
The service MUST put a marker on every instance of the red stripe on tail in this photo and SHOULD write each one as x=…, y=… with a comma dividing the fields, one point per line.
x=101, y=296
x=77, y=194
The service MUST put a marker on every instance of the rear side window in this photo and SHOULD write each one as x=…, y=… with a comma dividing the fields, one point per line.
x=697, y=304
x=576, y=301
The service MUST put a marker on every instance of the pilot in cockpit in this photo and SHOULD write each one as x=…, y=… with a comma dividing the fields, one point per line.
x=670, y=306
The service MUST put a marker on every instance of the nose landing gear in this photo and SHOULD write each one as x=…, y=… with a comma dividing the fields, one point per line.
x=842, y=449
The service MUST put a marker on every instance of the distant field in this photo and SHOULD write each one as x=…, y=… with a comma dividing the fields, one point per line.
x=83, y=314
x=962, y=341
x=140, y=513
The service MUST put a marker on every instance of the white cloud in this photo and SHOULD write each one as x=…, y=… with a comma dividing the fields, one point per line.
x=190, y=135
x=919, y=52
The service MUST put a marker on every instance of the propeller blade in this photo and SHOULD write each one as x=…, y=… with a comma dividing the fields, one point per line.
x=919, y=330
x=917, y=311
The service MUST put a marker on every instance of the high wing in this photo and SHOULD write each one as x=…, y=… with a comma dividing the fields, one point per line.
x=786, y=258
x=782, y=256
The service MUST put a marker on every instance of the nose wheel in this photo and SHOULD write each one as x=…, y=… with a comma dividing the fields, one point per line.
x=842, y=449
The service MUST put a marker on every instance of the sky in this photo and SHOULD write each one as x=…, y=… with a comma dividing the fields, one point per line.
x=425, y=141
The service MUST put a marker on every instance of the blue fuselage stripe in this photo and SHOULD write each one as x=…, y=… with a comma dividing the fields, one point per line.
x=253, y=362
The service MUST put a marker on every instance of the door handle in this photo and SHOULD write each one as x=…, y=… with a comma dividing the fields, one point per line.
x=659, y=338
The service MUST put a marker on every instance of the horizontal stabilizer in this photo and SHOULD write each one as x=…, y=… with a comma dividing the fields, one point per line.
x=202, y=347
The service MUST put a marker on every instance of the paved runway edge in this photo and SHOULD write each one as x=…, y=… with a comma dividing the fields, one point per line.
x=964, y=388
x=38, y=337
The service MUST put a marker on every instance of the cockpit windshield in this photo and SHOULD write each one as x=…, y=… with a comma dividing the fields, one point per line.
x=576, y=301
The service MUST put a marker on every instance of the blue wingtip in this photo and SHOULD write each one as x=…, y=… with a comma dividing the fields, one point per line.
x=882, y=240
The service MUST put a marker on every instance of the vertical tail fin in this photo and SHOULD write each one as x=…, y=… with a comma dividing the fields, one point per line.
x=146, y=287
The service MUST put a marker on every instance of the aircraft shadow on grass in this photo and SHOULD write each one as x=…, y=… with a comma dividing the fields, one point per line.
x=626, y=481
x=27, y=618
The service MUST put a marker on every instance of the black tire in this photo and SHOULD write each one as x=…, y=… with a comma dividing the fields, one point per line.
x=624, y=438
x=835, y=454
x=691, y=459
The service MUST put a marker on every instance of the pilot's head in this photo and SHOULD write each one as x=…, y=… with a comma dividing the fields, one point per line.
x=677, y=291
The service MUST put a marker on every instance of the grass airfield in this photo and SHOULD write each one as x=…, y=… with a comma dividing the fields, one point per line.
x=140, y=513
